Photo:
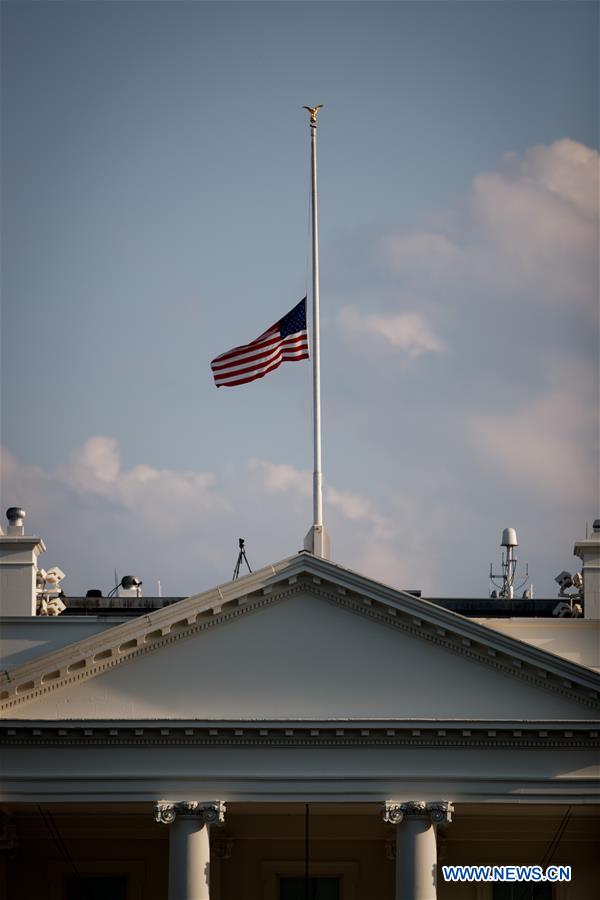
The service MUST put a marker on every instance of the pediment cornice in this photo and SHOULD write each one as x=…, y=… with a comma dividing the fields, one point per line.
x=452, y=733
x=300, y=574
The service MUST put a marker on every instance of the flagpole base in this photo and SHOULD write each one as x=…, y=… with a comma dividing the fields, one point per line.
x=317, y=542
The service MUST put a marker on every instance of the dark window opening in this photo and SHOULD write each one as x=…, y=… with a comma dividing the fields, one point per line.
x=96, y=887
x=326, y=888
x=522, y=891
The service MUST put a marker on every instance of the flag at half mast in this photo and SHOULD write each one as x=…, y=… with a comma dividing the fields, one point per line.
x=285, y=341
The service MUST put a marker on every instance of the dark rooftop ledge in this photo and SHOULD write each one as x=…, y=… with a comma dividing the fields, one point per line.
x=497, y=608
x=470, y=607
x=115, y=606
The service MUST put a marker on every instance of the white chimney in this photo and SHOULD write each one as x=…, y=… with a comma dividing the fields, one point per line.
x=589, y=552
x=18, y=566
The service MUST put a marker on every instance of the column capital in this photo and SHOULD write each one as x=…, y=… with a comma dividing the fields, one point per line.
x=438, y=812
x=166, y=812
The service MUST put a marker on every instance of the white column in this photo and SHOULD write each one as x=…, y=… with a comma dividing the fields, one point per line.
x=189, y=849
x=416, y=853
x=18, y=567
x=589, y=552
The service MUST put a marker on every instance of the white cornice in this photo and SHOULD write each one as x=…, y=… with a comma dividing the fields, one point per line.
x=303, y=573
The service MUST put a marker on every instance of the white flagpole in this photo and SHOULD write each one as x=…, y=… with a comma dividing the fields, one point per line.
x=317, y=540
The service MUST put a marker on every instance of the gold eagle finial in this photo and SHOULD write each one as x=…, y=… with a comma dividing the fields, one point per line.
x=313, y=110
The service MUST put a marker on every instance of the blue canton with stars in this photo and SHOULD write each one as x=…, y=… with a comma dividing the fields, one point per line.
x=294, y=321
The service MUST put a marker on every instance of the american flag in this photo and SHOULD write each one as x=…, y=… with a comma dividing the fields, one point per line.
x=285, y=341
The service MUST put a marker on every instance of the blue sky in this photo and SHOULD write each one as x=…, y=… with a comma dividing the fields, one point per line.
x=154, y=214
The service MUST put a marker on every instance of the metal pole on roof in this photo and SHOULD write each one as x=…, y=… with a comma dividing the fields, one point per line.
x=317, y=540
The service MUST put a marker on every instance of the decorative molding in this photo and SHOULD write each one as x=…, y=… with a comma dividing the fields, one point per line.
x=530, y=736
x=305, y=574
x=166, y=812
x=392, y=812
x=438, y=812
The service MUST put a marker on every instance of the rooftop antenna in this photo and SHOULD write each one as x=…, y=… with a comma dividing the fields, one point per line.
x=506, y=588
x=241, y=558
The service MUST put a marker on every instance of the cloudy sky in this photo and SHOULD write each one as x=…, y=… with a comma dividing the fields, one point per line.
x=155, y=169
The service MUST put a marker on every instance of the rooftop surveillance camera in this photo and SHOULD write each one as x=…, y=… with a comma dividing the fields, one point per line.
x=49, y=594
x=50, y=607
x=129, y=586
x=567, y=610
x=564, y=580
x=562, y=610
x=129, y=582
x=54, y=575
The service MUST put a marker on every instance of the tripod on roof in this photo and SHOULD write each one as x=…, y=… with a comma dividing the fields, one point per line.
x=241, y=558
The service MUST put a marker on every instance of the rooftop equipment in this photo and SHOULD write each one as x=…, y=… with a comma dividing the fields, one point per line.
x=504, y=581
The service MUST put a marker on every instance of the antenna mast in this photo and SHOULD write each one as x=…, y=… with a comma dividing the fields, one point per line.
x=317, y=540
x=506, y=589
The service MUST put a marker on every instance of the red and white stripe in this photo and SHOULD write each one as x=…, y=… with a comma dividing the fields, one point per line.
x=254, y=360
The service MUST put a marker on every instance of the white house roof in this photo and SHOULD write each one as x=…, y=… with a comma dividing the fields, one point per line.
x=300, y=575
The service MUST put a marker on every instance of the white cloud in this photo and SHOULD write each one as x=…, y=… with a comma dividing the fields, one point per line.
x=568, y=169
x=543, y=447
x=429, y=249
x=183, y=526
x=363, y=537
x=413, y=539
x=94, y=468
x=530, y=227
x=160, y=494
x=409, y=332
x=278, y=477
x=96, y=516
x=282, y=477
x=509, y=278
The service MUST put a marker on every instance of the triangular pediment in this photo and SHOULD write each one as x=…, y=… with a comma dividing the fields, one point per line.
x=303, y=639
